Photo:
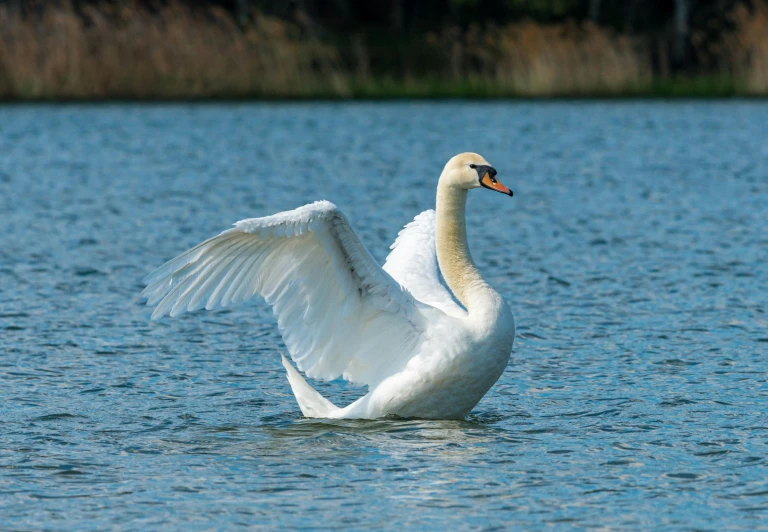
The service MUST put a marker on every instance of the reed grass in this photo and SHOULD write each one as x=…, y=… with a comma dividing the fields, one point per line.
x=745, y=51
x=534, y=60
x=127, y=52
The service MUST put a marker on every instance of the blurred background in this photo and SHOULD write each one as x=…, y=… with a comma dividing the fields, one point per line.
x=82, y=49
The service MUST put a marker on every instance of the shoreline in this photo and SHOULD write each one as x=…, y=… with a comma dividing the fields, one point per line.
x=676, y=90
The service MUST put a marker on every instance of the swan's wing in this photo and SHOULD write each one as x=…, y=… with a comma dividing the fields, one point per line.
x=339, y=313
x=413, y=263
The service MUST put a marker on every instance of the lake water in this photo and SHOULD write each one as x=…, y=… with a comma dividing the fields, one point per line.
x=634, y=256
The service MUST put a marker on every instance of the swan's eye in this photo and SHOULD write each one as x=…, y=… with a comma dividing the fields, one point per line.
x=473, y=166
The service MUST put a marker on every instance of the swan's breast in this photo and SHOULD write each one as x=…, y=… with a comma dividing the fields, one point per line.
x=456, y=367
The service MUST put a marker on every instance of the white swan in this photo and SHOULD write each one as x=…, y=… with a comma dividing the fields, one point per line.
x=396, y=329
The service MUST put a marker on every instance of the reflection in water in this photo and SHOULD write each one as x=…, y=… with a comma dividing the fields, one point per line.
x=635, y=257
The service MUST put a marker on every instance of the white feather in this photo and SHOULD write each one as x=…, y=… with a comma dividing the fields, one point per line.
x=413, y=263
x=307, y=274
x=396, y=329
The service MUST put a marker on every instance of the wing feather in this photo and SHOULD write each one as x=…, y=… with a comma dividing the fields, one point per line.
x=339, y=312
x=413, y=263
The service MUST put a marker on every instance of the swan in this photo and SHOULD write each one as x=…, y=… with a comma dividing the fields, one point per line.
x=424, y=349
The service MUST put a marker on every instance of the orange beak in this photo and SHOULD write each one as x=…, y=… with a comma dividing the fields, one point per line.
x=492, y=183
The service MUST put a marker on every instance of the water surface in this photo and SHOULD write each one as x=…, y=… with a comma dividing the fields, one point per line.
x=634, y=256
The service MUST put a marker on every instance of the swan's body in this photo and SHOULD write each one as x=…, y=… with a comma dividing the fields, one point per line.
x=396, y=329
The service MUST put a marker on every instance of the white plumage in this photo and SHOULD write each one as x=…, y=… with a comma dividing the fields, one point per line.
x=413, y=263
x=396, y=329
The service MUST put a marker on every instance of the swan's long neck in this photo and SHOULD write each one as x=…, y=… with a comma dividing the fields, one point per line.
x=460, y=273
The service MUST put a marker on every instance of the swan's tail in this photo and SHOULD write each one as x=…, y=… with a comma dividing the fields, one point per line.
x=312, y=404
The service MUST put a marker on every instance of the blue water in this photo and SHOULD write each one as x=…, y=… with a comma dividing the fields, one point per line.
x=634, y=256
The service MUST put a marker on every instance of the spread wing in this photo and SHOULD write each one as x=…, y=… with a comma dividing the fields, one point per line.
x=413, y=263
x=339, y=312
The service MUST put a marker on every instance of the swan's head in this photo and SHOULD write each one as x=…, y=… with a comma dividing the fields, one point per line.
x=470, y=170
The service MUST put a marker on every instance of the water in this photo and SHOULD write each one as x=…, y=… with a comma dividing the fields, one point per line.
x=634, y=255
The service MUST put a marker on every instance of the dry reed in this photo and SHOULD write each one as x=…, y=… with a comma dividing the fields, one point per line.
x=531, y=59
x=106, y=52
x=745, y=53
x=128, y=52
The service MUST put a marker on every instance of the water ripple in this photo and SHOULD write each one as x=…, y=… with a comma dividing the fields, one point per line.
x=636, y=265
